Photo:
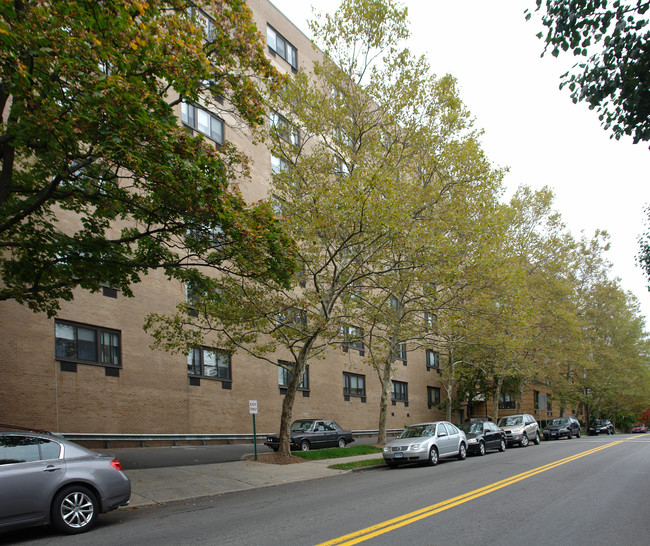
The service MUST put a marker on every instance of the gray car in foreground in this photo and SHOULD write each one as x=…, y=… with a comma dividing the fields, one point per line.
x=46, y=479
x=426, y=442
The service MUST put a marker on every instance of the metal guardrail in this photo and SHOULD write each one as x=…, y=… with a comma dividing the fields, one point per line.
x=107, y=438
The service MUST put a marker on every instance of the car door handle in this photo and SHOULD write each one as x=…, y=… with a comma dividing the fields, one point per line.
x=51, y=468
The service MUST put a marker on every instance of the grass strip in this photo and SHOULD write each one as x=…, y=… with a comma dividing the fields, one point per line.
x=357, y=464
x=337, y=452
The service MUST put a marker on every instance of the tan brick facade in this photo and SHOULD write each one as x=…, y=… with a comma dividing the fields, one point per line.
x=152, y=393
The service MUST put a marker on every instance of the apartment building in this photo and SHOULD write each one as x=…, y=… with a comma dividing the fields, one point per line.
x=91, y=369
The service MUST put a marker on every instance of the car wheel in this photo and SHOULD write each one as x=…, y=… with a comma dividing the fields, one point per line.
x=537, y=439
x=342, y=442
x=481, y=448
x=392, y=464
x=578, y=434
x=608, y=432
x=570, y=435
x=74, y=510
x=304, y=445
x=524, y=440
x=433, y=456
x=275, y=448
x=462, y=452
x=502, y=445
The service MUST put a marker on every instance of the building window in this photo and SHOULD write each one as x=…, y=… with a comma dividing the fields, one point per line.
x=400, y=352
x=278, y=44
x=506, y=401
x=284, y=128
x=433, y=359
x=352, y=338
x=209, y=363
x=87, y=344
x=354, y=384
x=400, y=392
x=291, y=317
x=278, y=165
x=198, y=119
x=430, y=321
x=536, y=400
x=433, y=396
x=284, y=374
x=205, y=22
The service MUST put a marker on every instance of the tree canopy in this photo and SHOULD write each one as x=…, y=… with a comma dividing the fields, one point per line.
x=612, y=41
x=98, y=182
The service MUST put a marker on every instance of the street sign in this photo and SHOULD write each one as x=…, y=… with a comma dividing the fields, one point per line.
x=252, y=406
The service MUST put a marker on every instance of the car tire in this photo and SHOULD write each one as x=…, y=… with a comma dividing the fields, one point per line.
x=538, y=439
x=392, y=464
x=578, y=434
x=304, y=445
x=570, y=435
x=462, y=452
x=74, y=510
x=524, y=440
x=342, y=442
x=481, y=448
x=433, y=456
x=502, y=445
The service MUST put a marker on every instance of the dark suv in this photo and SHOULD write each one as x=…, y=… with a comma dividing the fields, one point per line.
x=562, y=427
x=601, y=426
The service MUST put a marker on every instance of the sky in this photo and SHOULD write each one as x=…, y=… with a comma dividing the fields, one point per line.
x=529, y=124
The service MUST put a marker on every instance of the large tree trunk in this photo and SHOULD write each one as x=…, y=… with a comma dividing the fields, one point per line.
x=384, y=378
x=287, y=404
x=495, y=402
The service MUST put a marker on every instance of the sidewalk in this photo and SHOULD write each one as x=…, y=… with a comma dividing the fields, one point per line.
x=159, y=485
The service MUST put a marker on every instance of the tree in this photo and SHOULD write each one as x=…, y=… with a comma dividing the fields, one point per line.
x=334, y=188
x=98, y=183
x=613, y=76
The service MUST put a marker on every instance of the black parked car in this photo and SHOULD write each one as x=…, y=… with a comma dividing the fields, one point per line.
x=482, y=436
x=562, y=427
x=309, y=434
x=601, y=426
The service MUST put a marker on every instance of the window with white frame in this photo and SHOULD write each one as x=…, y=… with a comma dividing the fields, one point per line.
x=206, y=123
x=278, y=44
x=433, y=359
x=284, y=128
x=278, y=164
x=209, y=363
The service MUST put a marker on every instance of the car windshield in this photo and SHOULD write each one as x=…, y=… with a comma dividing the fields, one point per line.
x=511, y=421
x=557, y=422
x=416, y=431
x=600, y=422
x=471, y=428
x=301, y=426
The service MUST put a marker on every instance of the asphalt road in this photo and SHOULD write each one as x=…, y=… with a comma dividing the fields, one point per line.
x=592, y=490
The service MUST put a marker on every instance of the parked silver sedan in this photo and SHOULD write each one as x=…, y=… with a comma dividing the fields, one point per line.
x=426, y=442
x=46, y=479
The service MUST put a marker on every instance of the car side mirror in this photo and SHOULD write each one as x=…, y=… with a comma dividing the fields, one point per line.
x=441, y=434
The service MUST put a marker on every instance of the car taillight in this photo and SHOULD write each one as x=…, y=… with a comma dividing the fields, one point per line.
x=116, y=464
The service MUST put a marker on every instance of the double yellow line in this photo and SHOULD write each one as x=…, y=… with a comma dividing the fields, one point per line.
x=412, y=517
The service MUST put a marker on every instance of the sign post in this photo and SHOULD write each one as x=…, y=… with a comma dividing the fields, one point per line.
x=252, y=409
